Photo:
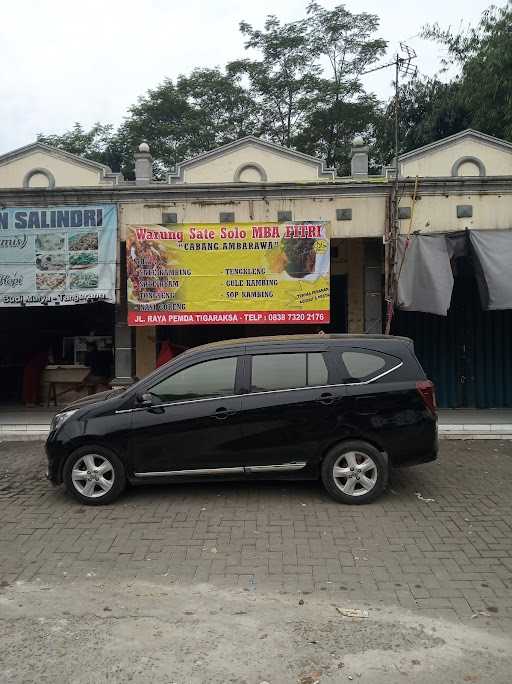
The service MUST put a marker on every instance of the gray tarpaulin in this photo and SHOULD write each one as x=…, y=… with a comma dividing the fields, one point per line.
x=493, y=266
x=426, y=279
x=425, y=274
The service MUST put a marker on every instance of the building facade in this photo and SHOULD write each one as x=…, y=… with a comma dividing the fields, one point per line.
x=454, y=186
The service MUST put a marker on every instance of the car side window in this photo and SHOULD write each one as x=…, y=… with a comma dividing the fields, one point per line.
x=362, y=365
x=215, y=378
x=287, y=371
x=317, y=370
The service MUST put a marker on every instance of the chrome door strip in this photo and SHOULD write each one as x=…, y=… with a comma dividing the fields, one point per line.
x=282, y=467
x=195, y=471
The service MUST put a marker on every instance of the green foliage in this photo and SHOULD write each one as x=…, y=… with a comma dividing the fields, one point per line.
x=300, y=86
x=283, y=79
x=429, y=110
x=346, y=43
x=484, y=55
x=100, y=144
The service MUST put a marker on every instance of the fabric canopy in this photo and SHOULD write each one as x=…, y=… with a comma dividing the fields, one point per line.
x=492, y=250
x=424, y=271
x=426, y=279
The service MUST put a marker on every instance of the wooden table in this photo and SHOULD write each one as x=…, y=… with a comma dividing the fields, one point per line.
x=69, y=376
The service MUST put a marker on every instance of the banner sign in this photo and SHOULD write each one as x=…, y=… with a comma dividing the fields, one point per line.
x=57, y=255
x=211, y=274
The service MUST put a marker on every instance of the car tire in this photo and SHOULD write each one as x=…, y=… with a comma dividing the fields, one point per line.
x=94, y=475
x=355, y=472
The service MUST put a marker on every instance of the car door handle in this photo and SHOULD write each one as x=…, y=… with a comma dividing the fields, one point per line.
x=222, y=413
x=326, y=398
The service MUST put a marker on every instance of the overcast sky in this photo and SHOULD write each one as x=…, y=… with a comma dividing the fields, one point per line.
x=64, y=61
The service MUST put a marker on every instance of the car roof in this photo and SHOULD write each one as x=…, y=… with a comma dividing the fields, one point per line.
x=300, y=339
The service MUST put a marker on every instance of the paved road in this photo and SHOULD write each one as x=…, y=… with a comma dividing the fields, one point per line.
x=431, y=561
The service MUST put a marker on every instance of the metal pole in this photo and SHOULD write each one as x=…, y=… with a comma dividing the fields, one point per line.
x=397, y=117
x=393, y=218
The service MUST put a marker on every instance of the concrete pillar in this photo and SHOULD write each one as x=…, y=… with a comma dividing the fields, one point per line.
x=359, y=154
x=373, y=261
x=355, y=286
x=123, y=335
x=145, y=351
x=143, y=165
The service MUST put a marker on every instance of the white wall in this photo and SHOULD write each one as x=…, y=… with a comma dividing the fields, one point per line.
x=66, y=173
x=439, y=161
x=368, y=212
x=278, y=167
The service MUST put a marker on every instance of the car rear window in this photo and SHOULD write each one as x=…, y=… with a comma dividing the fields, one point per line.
x=360, y=365
x=287, y=371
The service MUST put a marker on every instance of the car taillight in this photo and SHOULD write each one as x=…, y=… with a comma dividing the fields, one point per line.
x=428, y=394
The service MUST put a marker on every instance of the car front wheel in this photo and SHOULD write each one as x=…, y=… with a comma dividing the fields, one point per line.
x=355, y=472
x=94, y=475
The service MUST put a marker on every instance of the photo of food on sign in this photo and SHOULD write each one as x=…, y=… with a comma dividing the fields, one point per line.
x=83, y=281
x=301, y=258
x=144, y=260
x=228, y=273
x=50, y=242
x=50, y=281
x=80, y=241
x=54, y=261
x=83, y=259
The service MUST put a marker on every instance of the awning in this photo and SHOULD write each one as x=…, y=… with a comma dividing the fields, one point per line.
x=492, y=251
x=425, y=279
x=424, y=270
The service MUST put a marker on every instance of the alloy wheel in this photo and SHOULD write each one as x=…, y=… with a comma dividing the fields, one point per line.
x=93, y=476
x=355, y=473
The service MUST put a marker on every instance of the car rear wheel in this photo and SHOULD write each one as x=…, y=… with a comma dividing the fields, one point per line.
x=94, y=475
x=355, y=472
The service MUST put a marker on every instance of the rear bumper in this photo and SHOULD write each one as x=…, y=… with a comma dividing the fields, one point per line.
x=419, y=447
x=426, y=457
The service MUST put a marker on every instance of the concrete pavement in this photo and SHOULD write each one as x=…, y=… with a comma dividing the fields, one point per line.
x=239, y=582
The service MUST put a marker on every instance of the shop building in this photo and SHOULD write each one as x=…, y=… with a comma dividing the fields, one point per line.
x=58, y=273
x=457, y=185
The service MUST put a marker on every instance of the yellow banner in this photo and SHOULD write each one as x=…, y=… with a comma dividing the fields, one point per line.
x=199, y=274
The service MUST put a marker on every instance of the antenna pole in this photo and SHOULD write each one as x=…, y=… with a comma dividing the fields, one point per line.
x=391, y=245
x=403, y=64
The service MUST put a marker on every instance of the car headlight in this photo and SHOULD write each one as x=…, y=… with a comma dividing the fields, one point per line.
x=60, y=419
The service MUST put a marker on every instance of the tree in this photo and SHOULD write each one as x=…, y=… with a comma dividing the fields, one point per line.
x=201, y=111
x=160, y=118
x=429, y=110
x=100, y=143
x=283, y=81
x=223, y=110
x=484, y=56
x=346, y=42
x=303, y=89
x=330, y=132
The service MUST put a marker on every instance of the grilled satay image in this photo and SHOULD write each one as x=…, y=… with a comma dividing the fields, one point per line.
x=301, y=256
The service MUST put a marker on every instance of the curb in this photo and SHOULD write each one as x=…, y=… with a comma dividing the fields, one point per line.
x=23, y=436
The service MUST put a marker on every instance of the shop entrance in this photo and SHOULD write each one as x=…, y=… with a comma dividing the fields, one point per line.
x=52, y=341
x=467, y=353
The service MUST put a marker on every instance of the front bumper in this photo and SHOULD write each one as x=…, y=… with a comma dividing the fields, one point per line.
x=55, y=456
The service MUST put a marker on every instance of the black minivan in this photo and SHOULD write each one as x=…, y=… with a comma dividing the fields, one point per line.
x=343, y=408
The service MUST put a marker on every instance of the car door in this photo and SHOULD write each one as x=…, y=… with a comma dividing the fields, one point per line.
x=290, y=409
x=377, y=396
x=193, y=424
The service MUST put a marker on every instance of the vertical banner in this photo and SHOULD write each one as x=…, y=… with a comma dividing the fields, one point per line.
x=200, y=274
x=58, y=255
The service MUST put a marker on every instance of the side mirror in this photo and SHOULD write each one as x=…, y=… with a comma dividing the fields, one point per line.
x=145, y=400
